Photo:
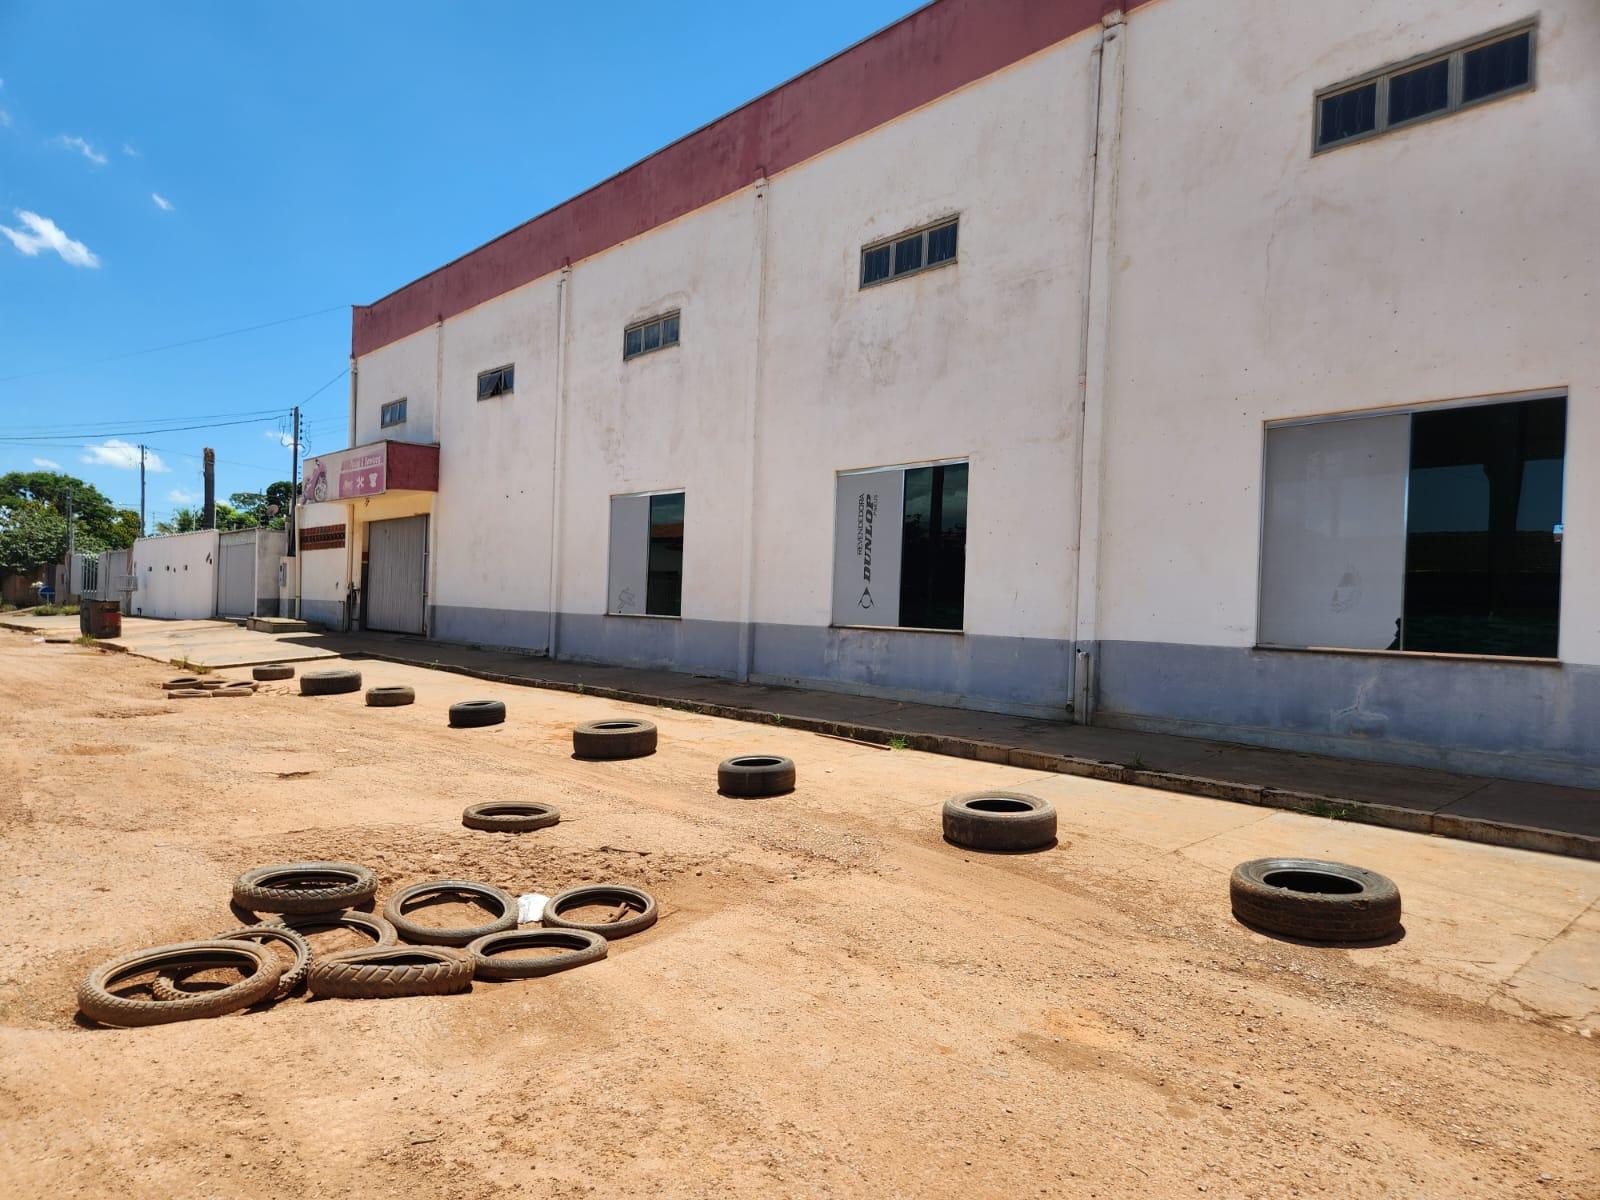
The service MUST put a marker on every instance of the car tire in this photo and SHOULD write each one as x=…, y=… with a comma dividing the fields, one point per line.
x=381, y=972
x=389, y=697
x=490, y=961
x=1313, y=900
x=272, y=671
x=510, y=816
x=430, y=935
x=97, y=1002
x=474, y=714
x=239, y=687
x=641, y=902
x=188, y=694
x=380, y=931
x=615, y=738
x=330, y=683
x=168, y=984
x=755, y=775
x=308, y=887
x=1002, y=821
x=182, y=681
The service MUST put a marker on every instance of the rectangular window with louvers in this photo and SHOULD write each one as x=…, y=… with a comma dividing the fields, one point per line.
x=657, y=333
x=1424, y=88
x=393, y=413
x=909, y=253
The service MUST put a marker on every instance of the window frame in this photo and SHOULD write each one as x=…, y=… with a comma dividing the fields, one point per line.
x=505, y=389
x=645, y=495
x=890, y=243
x=660, y=319
x=1395, y=410
x=1454, y=54
x=384, y=421
x=956, y=460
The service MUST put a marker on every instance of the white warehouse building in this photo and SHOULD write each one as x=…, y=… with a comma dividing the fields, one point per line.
x=1220, y=367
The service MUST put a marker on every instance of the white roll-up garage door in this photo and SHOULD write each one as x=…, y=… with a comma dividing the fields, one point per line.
x=397, y=566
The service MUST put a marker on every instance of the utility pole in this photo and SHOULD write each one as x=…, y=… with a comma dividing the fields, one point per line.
x=141, y=491
x=294, y=483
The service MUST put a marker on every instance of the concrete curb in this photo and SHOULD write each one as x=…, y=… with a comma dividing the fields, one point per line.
x=1337, y=808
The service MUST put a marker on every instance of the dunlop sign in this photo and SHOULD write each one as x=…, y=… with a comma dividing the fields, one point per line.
x=866, y=552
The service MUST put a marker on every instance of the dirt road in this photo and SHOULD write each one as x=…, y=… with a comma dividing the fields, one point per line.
x=834, y=1003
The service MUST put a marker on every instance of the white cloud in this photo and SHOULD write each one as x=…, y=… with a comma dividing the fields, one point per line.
x=162, y=202
x=5, y=117
x=114, y=452
x=179, y=496
x=84, y=148
x=45, y=234
x=48, y=464
x=129, y=150
x=286, y=440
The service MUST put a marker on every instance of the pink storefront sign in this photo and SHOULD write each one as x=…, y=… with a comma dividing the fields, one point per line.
x=363, y=474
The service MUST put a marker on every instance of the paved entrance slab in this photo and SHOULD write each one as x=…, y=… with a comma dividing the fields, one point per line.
x=210, y=644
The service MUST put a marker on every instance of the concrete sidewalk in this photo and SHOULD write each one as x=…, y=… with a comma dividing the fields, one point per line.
x=1532, y=816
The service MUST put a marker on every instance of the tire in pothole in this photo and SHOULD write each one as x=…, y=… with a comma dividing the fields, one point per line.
x=272, y=671
x=474, y=714
x=510, y=816
x=395, y=912
x=633, y=909
x=389, y=697
x=309, y=887
x=619, y=737
x=492, y=958
x=168, y=984
x=1314, y=900
x=379, y=972
x=377, y=929
x=99, y=1003
x=755, y=775
x=330, y=683
x=1005, y=821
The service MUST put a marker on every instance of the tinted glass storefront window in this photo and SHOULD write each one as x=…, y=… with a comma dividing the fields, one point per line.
x=664, y=581
x=933, y=563
x=1483, y=564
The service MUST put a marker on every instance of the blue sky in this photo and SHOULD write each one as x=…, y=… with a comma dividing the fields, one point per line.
x=192, y=168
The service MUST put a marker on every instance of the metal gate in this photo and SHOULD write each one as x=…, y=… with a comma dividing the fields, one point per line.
x=236, y=574
x=397, y=558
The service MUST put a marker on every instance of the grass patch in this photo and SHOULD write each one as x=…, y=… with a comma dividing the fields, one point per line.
x=56, y=610
x=898, y=743
x=85, y=639
x=193, y=668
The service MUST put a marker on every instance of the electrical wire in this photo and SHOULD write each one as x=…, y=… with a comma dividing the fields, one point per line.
x=210, y=337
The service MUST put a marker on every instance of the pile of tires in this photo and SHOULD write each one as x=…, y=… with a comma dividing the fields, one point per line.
x=405, y=957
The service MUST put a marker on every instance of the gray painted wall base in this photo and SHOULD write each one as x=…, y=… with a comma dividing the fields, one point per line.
x=1027, y=676
x=1516, y=720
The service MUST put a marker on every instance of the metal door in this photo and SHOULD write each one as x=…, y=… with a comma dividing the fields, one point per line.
x=236, y=574
x=397, y=558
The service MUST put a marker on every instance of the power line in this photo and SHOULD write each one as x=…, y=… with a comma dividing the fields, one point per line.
x=210, y=337
x=63, y=429
x=118, y=433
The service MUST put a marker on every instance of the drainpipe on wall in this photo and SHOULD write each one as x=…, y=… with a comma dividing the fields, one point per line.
x=347, y=617
x=557, y=455
x=752, y=417
x=1092, y=355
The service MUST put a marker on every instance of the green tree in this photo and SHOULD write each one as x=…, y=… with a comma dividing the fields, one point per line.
x=99, y=521
x=32, y=534
x=182, y=520
x=259, y=505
